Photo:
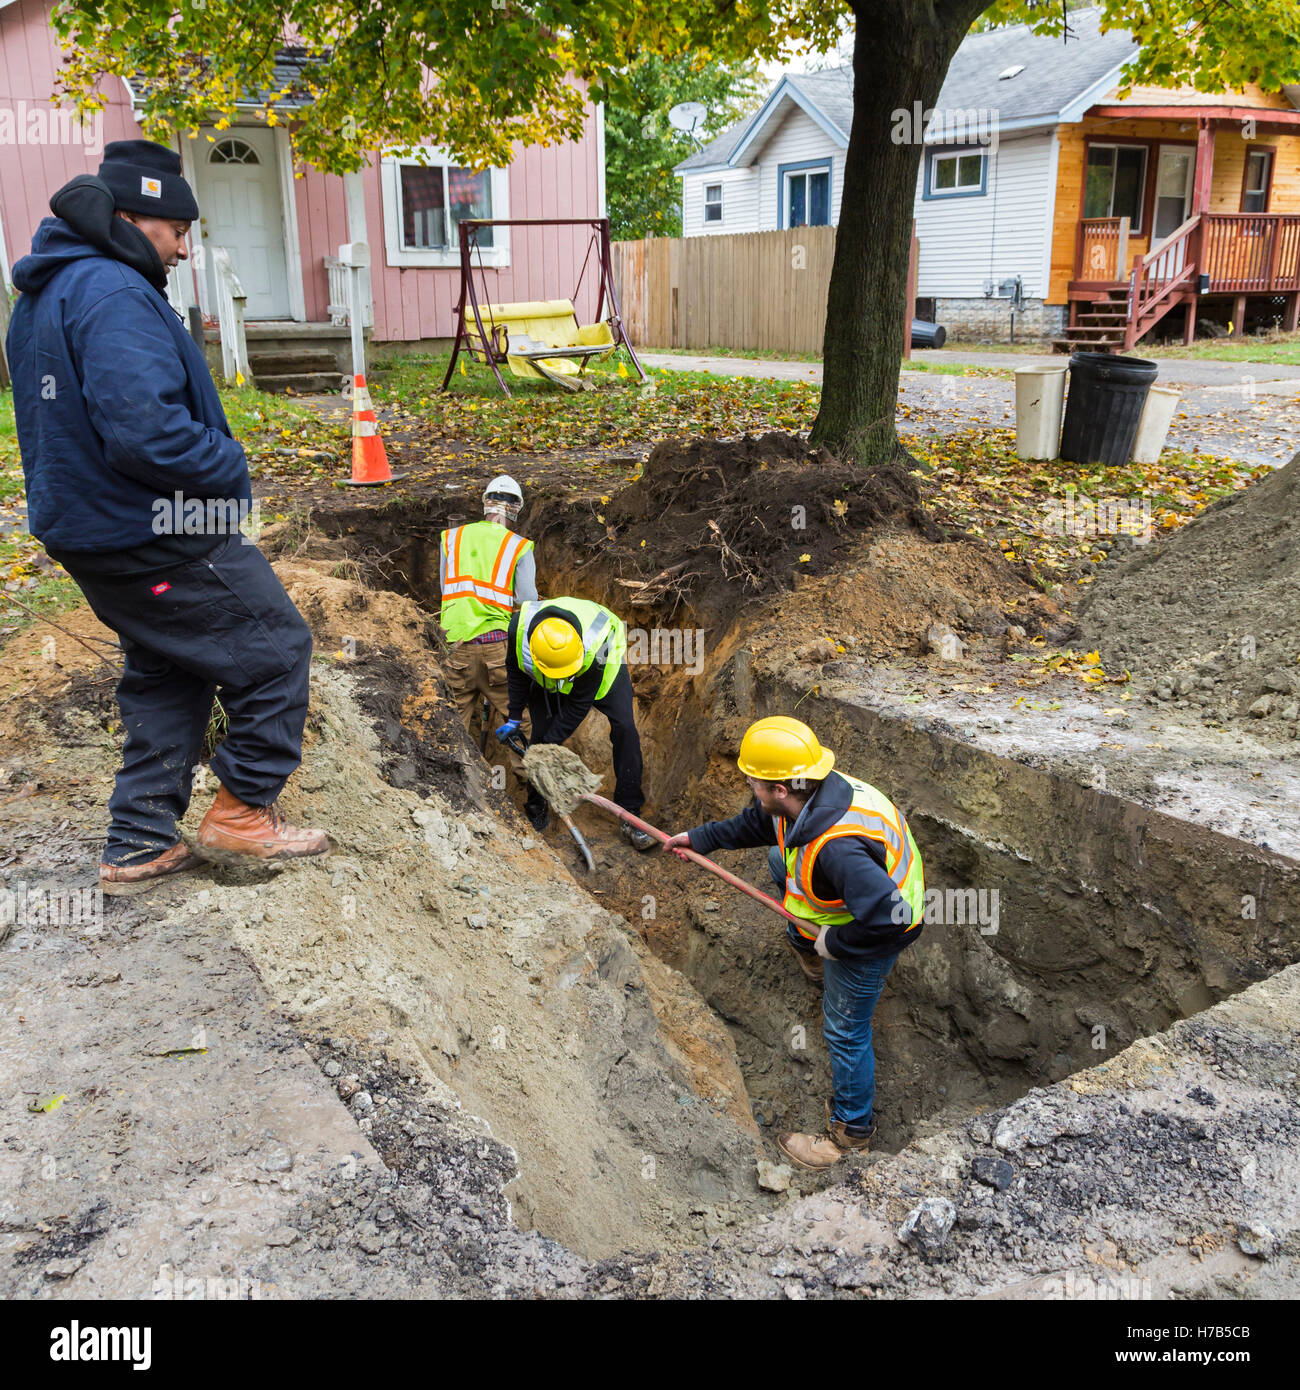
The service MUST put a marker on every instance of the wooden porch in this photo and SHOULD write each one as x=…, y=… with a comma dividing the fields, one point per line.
x=1121, y=283
x=1213, y=255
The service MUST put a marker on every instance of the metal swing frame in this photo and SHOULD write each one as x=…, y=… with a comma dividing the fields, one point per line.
x=490, y=342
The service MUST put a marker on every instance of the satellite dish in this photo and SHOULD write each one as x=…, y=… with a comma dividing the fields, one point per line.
x=688, y=116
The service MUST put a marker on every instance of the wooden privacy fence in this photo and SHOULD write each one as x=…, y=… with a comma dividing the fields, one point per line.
x=757, y=291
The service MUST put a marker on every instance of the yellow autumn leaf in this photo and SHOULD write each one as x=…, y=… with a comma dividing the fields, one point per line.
x=803, y=559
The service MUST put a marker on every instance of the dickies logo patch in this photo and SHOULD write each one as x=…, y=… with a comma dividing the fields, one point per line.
x=160, y=588
x=153, y=187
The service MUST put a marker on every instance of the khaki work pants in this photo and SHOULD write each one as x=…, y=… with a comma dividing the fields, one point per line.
x=475, y=670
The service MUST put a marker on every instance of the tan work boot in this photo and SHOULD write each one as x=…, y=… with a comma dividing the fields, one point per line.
x=121, y=880
x=809, y=962
x=817, y=1151
x=258, y=831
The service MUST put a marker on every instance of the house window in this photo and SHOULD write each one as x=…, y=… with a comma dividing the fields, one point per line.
x=1259, y=175
x=233, y=152
x=436, y=199
x=713, y=202
x=1116, y=179
x=426, y=197
x=956, y=172
x=807, y=197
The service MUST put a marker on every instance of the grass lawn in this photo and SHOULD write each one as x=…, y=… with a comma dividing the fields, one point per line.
x=620, y=411
x=914, y=364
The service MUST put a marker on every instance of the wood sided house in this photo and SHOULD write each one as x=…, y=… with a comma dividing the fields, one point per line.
x=1102, y=216
x=283, y=227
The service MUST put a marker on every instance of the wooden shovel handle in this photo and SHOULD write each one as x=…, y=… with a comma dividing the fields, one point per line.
x=690, y=854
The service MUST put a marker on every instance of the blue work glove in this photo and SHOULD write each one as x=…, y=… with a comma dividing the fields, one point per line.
x=511, y=726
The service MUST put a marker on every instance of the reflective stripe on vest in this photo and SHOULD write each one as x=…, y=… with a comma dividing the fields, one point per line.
x=600, y=629
x=872, y=816
x=479, y=561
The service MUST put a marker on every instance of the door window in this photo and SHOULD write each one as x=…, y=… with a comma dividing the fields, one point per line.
x=808, y=198
x=1259, y=170
x=1173, y=191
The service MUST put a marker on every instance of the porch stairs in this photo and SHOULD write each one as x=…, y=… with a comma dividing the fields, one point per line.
x=292, y=358
x=1098, y=328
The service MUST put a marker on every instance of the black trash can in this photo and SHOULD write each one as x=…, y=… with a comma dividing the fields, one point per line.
x=1104, y=407
x=927, y=335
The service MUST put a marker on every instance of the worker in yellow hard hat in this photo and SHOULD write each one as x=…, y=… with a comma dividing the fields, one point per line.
x=848, y=868
x=564, y=656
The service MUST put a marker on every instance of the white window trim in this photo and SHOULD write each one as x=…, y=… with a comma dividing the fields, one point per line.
x=789, y=174
x=720, y=205
x=390, y=187
x=938, y=156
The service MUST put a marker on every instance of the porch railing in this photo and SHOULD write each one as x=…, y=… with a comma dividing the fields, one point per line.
x=1101, y=248
x=231, y=300
x=338, y=305
x=1251, y=252
x=1157, y=278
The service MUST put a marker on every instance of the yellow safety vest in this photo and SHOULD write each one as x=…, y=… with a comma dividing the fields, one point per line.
x=872, y=816
x=604, y=636
x=478, y=593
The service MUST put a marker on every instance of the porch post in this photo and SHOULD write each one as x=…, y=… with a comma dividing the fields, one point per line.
x=1239, y=316
x=1204, y=165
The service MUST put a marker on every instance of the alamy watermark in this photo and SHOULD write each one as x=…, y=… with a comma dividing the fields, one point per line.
x=939, y=125
x=179, y=515
x=1077, y=514
x=31, y=123
x=28, y=906
x=959, y=907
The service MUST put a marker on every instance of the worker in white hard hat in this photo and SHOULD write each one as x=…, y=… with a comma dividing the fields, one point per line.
x=485, y=570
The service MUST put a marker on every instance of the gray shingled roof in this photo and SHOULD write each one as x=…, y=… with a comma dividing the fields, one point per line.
x=1055, y=73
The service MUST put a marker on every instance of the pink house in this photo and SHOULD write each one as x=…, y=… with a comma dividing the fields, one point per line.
x=282, y=226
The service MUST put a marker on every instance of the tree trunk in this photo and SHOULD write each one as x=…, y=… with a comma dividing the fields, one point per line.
x=901, y=52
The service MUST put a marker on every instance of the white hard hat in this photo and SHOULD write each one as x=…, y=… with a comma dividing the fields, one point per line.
x=503, y=485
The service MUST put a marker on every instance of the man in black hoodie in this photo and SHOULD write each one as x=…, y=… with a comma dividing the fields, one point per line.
x=850, y=872
x=135, y=485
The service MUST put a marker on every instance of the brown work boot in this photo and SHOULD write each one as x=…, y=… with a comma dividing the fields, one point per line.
x=121, y=880
x=258, y=831
x=809, y=962
x=817, y=1151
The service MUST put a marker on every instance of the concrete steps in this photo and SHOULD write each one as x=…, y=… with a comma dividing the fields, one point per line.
x=300, y=370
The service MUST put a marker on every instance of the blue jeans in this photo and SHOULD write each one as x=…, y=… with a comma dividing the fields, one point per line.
x=850, y=992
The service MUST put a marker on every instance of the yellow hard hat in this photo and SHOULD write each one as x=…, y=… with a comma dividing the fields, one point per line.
x=556, y=646
x=779, y=748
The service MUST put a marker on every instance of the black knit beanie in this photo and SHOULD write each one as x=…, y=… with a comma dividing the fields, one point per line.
x=145, y=178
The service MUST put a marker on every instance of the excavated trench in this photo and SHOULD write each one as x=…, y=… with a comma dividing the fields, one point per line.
x=1070, y=921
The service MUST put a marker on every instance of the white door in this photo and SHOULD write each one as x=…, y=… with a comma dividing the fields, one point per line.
x=241, y=209
x=1174, y=171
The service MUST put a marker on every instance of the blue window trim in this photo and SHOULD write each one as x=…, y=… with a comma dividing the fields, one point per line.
x=783, y=169
x=929, y=195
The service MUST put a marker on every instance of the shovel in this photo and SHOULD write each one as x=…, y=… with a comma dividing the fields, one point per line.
x=516, y=744
x=703, y=861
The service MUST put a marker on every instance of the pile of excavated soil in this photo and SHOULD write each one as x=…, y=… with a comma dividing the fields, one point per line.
x=491, y=975
x=560, y=775
x=714, y=522
x=1209, y=619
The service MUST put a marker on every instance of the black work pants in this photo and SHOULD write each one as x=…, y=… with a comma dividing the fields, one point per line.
x=222, y=622
x=616, y=706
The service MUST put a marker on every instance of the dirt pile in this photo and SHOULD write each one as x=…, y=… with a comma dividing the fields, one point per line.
x=442, y=927
x=560, y=775
x=714, y=522
x=1209, y=620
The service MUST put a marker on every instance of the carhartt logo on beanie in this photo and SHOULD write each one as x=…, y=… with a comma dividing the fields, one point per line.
x=145, y=177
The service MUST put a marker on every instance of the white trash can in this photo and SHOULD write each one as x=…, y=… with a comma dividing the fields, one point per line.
x=1157, y=414
x=1040, y=399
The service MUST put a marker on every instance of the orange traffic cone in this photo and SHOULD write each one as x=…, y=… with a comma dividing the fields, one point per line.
x=369, y=457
